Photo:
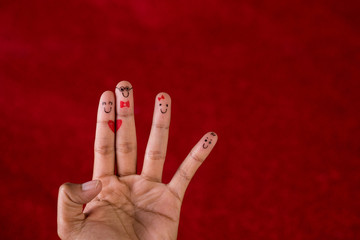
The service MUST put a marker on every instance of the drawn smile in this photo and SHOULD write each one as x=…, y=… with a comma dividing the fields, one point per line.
x=125, y=94
x=110, y=105
x=163, y=111
x=205, y=146
x=107, y=111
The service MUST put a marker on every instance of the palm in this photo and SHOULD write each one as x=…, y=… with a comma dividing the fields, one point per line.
x=129, y=206
x=133, y=207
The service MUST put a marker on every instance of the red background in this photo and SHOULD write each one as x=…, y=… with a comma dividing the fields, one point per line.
x=277, y=80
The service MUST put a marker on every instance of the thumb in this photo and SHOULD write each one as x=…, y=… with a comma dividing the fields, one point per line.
x=71, y=199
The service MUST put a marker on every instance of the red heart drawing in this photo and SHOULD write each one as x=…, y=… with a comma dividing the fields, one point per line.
x=111, y=124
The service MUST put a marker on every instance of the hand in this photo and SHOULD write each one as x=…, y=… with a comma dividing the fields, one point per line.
x=126, y=205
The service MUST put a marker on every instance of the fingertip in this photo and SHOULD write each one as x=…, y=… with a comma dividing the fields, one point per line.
x=106, y=106
x=91, y=185
x=90, y=189
x=162, y=110
x=213, y=135
x=163, y=96
x=208, y=141
x=107, y=96
x=124, y=82
x=107, y=93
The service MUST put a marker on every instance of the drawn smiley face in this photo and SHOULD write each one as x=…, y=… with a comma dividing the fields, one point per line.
x=110, y=106
x=125, y=90
x=163, y=107
x=163, y=104
x=208, y=141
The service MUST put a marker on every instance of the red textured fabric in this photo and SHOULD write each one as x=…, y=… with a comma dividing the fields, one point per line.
x=277, y=80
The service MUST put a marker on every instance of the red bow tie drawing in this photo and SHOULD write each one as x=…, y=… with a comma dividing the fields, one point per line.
x=162, y=97
x=124, y=104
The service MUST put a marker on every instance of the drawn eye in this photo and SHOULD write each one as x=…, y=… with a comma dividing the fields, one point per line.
x=160, y=104
x=122, y=89
x=127, y=88
x=205, y=140
x=103, y=103
x=167, y=105
x=110, y=103
x=210, y=142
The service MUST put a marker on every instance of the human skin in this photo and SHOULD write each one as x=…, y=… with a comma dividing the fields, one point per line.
x=127, y=205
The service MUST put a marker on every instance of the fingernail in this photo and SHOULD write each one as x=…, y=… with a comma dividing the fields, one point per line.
x=89, y=185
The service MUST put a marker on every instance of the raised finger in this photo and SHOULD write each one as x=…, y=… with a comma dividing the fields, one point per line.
x=125, y=146
x=104, y=147
x=192, y=162
x=156, y=148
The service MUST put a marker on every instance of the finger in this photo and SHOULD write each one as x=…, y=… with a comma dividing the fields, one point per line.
x=125, y=145
x=104, y=148
x=192, y=162
x=70, y=205
x=158, y=140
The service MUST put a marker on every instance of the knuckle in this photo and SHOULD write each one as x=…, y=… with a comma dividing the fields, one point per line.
x=103, y=149
x=154, y=155
x=150, y=178
x=102, y=122
x=125, y=147
x=64, y=188
x=125, y=115
x=184, y=175
x=160, y=126
x=196, y=157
